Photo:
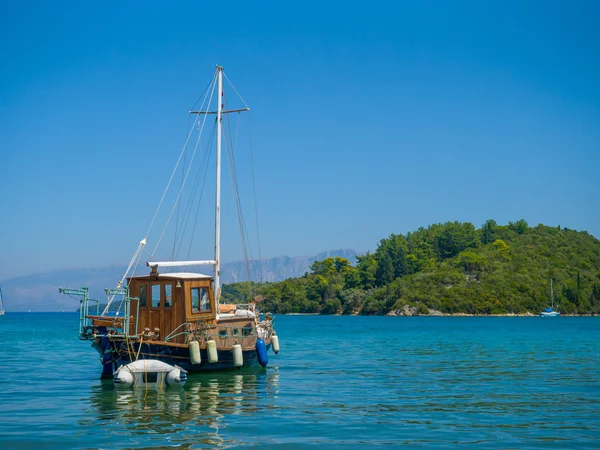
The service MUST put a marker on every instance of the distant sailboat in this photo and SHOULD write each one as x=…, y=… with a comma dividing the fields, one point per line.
x=549, y=312
x=1, y=303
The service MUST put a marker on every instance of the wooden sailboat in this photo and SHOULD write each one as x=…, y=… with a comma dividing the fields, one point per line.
x=177, y=317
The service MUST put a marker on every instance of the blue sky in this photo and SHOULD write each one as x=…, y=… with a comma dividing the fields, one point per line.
x=367, y=119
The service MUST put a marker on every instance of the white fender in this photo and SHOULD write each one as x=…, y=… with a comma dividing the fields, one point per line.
x=275, y=343
x=211, y=349
x=195, y=352
x=238, y=358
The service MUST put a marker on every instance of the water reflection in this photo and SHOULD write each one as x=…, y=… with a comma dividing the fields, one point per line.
x=193, y=415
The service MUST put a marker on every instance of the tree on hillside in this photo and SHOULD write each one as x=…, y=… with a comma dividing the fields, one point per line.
x=519, y=227
x=487, y=231
x=367, y=270
x=325, y=267
x=385, y=270
x=456, y=237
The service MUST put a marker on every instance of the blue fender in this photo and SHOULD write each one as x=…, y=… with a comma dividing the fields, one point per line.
x=261, y=352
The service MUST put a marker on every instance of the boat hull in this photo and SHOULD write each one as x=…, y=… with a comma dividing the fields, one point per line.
x=549, y=314
x=115, y=354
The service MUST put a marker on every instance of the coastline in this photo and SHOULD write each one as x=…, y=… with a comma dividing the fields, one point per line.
x=391, y=314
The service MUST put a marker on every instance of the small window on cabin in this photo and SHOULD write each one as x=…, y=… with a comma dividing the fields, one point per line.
x=143, y=295
x=156, y=295
x=168, y=295
x=200, y=301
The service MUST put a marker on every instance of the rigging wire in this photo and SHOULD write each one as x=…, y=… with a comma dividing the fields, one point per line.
x=213, y=82
x=202, y=170
x=231, y=157
x=185, y=179
x=235, y=90
x=255, y=197
x=251, y=273
x=173, y=252
x=136, y=257
x=181, y=226
x=202, y=173
x=253, y=179
x=178, y=207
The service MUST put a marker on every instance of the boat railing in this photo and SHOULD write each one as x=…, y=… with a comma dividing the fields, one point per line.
x=88, y=323
x=126, y=303
x=226, y=336
x=85, y=323
x=173, y=334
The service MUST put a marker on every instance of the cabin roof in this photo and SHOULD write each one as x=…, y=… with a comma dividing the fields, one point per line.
x=179, y=275
x=182, y=275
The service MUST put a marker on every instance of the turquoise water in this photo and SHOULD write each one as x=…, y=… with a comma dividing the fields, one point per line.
x=434, y=382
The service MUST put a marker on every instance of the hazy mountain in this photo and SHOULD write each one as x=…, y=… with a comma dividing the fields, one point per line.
x=39, y=291
x=277, y=269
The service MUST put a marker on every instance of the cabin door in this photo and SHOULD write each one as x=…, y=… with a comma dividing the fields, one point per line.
x=161, y=309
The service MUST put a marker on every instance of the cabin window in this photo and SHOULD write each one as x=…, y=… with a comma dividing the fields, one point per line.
x=168, y=295
x=200, y=301
x=156, y=295
x=247, y=330
x=143, y=295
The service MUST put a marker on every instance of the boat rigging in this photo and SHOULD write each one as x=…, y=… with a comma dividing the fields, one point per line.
x=177, y=317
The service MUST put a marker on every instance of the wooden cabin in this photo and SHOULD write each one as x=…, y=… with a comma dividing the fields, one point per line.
x=173, y=308
x=181, y=303
x=168, y=300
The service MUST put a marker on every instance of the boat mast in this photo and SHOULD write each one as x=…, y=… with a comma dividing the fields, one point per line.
x=217, y=261
x=551, y=294
x=218, y=190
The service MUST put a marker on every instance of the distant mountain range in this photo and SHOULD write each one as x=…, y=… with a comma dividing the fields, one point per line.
x=39, y=291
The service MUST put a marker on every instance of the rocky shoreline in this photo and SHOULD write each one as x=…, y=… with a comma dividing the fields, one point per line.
x=414, y=311
x=441, y=314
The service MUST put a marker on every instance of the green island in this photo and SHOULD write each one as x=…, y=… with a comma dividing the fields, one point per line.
x=448, y=269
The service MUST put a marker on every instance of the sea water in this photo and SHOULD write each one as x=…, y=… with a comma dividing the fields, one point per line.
x=351, y=382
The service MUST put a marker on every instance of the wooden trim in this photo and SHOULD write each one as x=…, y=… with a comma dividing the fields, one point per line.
x=108, y=321
x=207, y=316
x=168, y=344
x=227, y=320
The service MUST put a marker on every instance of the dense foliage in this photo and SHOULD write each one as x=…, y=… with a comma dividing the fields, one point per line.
x=449, y=268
